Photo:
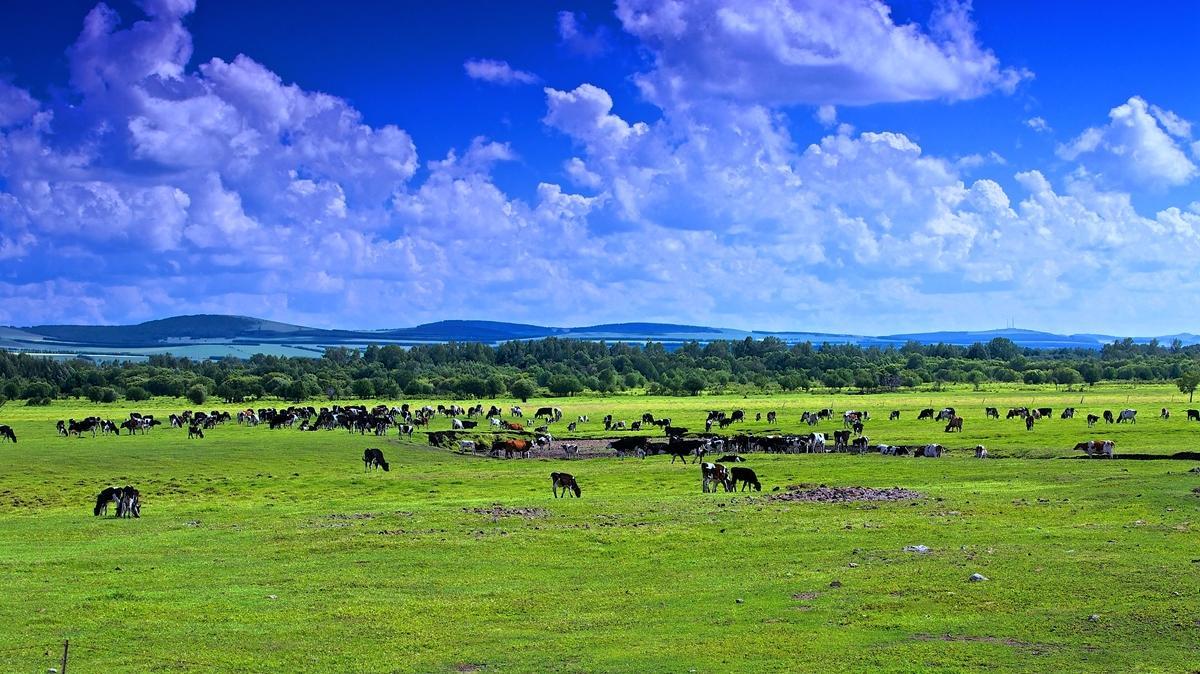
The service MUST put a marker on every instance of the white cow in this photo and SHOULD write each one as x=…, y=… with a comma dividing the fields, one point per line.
x=980, y=452
x=1127, y=415
x=933, y=451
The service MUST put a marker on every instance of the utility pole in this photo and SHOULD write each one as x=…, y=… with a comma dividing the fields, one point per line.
x=66, y=647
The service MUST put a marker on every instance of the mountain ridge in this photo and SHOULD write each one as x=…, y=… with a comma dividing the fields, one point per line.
x=213, y=335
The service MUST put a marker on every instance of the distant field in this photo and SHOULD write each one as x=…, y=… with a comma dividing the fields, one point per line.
x=268, y=550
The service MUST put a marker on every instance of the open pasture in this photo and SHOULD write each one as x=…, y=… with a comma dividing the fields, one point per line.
x=262, y=550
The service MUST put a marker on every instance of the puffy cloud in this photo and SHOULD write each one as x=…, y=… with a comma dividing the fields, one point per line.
x=821, y=52
x=1138, y=146
x=497, y=72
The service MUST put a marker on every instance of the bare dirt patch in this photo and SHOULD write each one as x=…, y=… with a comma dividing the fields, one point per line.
x=825, y=494
x=496, y=511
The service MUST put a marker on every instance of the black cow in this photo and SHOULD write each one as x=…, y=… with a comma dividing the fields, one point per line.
x=926, y=413
x=730, y=458
x=373, y=458
x=195, y=431
x=1108, y=417
x=991, y=413
x=7, y=433
x=1193, y=415
x=746, y=476
x=566, y=482
x=894, y=415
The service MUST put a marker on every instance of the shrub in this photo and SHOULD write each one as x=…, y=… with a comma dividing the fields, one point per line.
x=136, y=393
x=197, y=394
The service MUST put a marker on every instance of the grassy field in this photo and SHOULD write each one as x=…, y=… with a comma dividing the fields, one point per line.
x=275, y=551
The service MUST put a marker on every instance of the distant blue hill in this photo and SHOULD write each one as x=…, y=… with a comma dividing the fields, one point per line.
x=210, y=336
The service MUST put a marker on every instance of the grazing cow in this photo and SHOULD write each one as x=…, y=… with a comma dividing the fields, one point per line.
x=894, y=415
x=1068, y=413
x=955, y=424
x=926, y=413
x=373, y=458
x=515, y=410
x=946, y=414
x=570, y=451
x=737, y=416
x=512, y=447
x=730, y=458
x=746, y=476
x=194, y=431
x=635, y=426
x=771, y=417
x=1108, y=416
x=1164, y=414
x=991, y=413
x=582, y=419
x=571, y=427
x=1029, y=422
x=566, y=482
x=1127, y=415
x=857, y=428
x=980, y=452
x=129, y=502
x=1193, y=415
x=1092, y=419
x=1045, y=412
x=465, y=446
x=7, y=433
x=712, y=475
x=860, y=445
x=106, y=496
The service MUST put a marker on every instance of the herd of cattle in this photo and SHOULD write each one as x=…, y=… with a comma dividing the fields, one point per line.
x=518, y=435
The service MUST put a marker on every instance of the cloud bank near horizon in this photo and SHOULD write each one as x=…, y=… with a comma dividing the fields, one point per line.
x=163, y=187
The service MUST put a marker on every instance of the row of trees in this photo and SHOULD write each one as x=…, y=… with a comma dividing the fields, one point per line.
x=566, y=367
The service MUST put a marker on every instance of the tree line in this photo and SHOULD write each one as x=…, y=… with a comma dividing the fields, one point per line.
x=564, y=367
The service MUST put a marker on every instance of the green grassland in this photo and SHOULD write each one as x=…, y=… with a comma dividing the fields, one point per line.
x=265, y=550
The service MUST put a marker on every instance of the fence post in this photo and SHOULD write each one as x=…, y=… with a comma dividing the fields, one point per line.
x=66, y=647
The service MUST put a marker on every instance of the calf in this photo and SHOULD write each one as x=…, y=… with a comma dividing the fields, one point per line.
x=1092, y=419
x=194, y=432
x=894, y=415
x=980, y=452
x=7, y=433
x=1193, y=415
x=566, y=482
x=712, y=475
x=955, y=424
x=746, y=476
x=730, y=458
x=1108, y=416
x=373, y=458
x=571, y=451
x=991, y=413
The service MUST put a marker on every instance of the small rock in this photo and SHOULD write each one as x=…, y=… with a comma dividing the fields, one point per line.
x=922, y=549
x=977, y=577
x=1094, y=618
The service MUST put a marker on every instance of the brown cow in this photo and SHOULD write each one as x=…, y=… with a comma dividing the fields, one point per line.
x=511, y=447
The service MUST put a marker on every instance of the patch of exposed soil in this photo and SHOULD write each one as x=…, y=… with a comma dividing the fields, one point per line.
x=496, y=511
x=824, y=494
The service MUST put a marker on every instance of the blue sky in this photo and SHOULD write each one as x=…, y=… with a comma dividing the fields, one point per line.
x=811, y=165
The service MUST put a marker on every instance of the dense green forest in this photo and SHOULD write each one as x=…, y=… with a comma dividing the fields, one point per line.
x=565, y=367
